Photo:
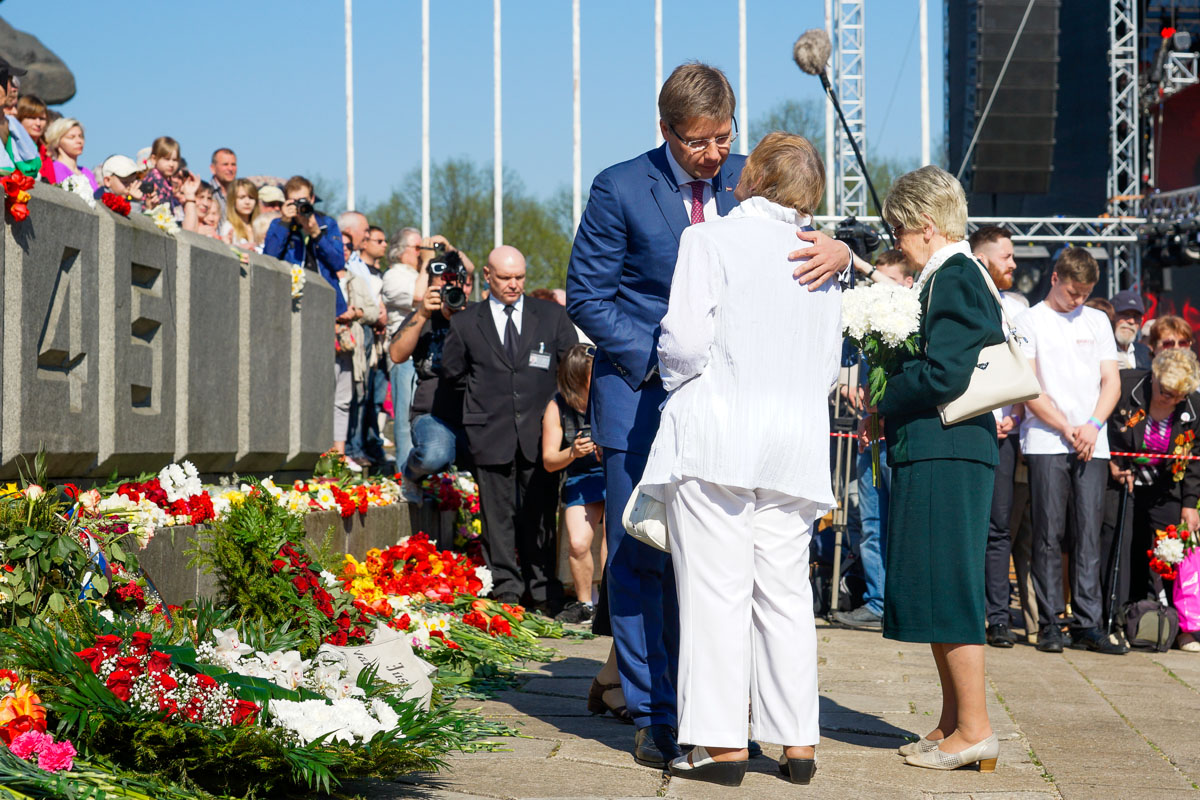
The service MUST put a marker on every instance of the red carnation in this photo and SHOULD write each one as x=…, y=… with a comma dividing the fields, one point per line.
x=116, y=203
x=120, y=683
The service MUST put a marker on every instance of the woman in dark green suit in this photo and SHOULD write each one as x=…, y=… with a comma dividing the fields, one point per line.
x=942, y=475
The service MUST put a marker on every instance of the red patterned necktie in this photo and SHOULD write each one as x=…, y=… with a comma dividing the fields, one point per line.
x=697, y=201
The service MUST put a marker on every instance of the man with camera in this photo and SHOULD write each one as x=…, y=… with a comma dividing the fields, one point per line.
x=508, y=350
x=302, y=235
x=438, y=439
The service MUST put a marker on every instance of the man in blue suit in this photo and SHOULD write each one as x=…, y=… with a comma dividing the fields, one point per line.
x=618, y=283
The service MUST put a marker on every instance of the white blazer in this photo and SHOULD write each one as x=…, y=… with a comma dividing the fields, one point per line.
x=748, y=356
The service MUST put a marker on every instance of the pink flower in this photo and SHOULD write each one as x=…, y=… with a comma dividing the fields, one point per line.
x=90, y=500
x=29, y=743
x=33, y=491
x=57, y=756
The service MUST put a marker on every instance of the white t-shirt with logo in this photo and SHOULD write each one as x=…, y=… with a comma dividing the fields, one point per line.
x=1069, y=349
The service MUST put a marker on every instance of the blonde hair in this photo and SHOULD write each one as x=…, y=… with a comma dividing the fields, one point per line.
x=785, y=169
x=260, y=225
x=241, y=229
x=165, y=147
x=58, y=129
x=1177, y=371
x=928, y=194
x=696, y=90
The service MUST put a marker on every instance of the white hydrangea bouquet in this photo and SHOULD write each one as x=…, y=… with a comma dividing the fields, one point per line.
x=882, y=321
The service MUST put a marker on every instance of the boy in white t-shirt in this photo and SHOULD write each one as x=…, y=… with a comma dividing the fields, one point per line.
x=1065, y=444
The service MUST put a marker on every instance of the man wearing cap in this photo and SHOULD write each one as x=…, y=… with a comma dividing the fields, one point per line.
x=1128, y=310
x=270, y=199
x=20, y=153
x=121, y=176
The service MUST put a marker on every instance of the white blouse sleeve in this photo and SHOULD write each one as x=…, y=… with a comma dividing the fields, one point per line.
x=689, y=327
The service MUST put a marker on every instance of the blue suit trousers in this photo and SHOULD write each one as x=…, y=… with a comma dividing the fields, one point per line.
x=641, y=601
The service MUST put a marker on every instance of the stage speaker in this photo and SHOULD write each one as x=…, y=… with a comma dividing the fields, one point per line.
x=1014, y=152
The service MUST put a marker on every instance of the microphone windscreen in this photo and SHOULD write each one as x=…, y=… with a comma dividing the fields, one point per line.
x=812, y=51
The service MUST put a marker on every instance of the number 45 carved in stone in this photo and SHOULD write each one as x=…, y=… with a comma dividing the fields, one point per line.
x=60, y=355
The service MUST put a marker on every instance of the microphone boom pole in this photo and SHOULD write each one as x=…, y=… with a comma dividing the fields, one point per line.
x=811, y=54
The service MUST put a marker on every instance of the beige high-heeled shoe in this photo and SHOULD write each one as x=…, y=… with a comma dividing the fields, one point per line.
x=982, y=753
x=922, y=745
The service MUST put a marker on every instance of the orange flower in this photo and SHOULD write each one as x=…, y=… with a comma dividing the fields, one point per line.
x=20, y=712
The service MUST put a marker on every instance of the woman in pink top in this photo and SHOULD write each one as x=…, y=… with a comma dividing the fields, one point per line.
x=1158, y=415
x=64, y=140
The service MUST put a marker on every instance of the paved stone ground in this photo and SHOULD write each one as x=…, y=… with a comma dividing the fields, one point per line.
x=1076, y=725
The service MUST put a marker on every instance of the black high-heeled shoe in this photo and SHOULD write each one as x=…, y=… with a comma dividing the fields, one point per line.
x=698, y=765
x=596, y=704
x=797, y=770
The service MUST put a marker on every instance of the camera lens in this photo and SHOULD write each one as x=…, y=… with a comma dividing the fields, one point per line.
x=454, y=297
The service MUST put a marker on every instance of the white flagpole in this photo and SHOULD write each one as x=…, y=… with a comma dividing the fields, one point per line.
x=830, y=173
x=924, y=25
x=498, y=167
x=425, y=223
x=744, y=114
x=349, y=109
x=658, y=78
x=577, y=198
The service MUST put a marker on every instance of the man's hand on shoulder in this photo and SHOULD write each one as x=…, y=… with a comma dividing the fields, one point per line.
x=819, y=262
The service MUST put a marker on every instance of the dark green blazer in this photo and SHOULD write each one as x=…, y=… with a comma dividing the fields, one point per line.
x=959, y=318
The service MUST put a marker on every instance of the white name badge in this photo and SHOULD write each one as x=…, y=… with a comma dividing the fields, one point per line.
x=539, y=360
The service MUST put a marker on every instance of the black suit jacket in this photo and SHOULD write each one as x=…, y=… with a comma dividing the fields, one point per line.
x=503, y=404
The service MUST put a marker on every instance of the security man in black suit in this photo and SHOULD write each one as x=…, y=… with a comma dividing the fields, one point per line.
x=508, y=349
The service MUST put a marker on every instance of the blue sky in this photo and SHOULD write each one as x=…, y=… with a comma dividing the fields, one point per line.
x=267, y=78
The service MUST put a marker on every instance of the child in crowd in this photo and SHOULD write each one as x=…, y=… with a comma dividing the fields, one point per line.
x=164, y=164
x=567, y=444
x=208, y=212
x=238, y=226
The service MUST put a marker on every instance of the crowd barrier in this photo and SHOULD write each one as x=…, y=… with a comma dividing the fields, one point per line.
x=126, y=348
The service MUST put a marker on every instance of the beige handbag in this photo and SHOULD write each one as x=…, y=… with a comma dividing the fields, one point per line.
x=1002, y=376
x=645, y=519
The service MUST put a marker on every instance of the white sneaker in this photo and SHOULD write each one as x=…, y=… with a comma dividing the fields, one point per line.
x=387, y=443
x=351, y=464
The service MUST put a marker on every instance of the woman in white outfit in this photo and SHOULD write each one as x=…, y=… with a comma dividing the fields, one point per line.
x=742, y=462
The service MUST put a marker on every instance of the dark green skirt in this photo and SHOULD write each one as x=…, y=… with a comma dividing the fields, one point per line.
x=938, y=516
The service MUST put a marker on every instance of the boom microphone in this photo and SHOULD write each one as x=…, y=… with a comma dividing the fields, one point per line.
x=812, y=50
x=811, y=54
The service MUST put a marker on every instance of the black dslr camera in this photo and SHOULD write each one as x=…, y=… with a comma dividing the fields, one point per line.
x=304, y=207
x=449, y=264
x=861, y=237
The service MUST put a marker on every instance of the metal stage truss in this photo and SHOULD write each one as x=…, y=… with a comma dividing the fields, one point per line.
x=1124, y=172
x=1177, y=206
x=1097, y=231
x=850, y=83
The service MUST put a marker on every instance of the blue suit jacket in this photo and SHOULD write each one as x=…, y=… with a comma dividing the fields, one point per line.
x=618, y=284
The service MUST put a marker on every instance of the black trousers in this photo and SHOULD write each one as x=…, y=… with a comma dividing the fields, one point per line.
x=1148, y=509
x=1056, y=483
x=517, y=503
x=999, y=543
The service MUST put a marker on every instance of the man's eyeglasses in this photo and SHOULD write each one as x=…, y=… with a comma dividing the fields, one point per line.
x=378, y=241
x=700, y=145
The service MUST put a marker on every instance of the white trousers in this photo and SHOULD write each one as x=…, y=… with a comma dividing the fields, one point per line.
x=747, y=634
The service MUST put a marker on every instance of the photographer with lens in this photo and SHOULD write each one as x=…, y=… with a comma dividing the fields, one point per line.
x=428, y=250
x=302, y=235
x=437, y=404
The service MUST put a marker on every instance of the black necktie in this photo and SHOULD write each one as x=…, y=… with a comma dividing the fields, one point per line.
x=510, y=335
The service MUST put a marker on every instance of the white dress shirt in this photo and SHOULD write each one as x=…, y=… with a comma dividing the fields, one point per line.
x=398, y=284
x=501, y=319
x=682, y=178
x=748, y=356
